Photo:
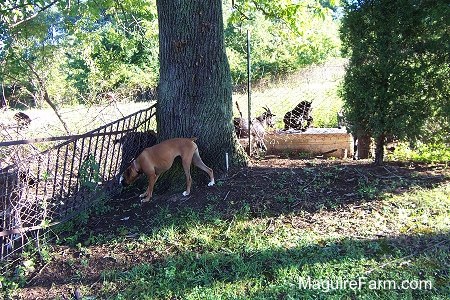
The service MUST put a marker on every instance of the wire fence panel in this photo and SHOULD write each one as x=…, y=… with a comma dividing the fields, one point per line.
x=54, y=185
x=40, y=188
x=303, y=103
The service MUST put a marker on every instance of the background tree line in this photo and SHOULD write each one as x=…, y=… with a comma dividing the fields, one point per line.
x=84, y=52
x=397, y=84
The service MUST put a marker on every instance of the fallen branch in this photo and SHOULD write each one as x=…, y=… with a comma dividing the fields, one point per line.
x=405, y=257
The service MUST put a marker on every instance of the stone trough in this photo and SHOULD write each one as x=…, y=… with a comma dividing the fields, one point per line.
x=327, y=142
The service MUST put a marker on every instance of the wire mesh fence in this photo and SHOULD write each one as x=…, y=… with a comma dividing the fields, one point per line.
x=43, y=183
x=304, y=103
x=55, y=184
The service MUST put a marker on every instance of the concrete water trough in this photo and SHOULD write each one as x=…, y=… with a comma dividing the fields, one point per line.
x=327, y=142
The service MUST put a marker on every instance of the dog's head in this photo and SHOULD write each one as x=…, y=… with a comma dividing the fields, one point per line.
x=130, y=175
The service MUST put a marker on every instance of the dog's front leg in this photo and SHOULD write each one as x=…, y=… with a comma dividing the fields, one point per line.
x=149, y=192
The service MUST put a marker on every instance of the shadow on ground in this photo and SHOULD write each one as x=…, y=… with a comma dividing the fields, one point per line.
x=301, y=190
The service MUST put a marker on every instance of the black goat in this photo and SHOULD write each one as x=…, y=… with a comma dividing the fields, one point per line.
x=258, y=127
x=132, y=145
x=22, y=119
x=299, y=118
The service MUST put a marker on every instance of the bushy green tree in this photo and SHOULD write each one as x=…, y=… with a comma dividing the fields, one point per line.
x=114, y=47
x=91, y=47
x=106, y=46
x=397, y=80
x=31, y=57
x=286, y=35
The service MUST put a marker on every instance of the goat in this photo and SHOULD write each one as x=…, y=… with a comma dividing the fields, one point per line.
x=132, y=145
x=341, y=119
x=343, y=123
x=258, y=127
x=297, y=117
x=22, y=119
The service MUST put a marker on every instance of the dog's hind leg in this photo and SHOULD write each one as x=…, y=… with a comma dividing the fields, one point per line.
x=197, y=160
x=187, y=171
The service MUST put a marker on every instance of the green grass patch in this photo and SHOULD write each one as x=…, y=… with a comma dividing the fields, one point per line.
x=392, y=242
x=426, y=153
x=203, y=256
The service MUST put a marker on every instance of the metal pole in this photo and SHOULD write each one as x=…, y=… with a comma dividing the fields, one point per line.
x=249, y=93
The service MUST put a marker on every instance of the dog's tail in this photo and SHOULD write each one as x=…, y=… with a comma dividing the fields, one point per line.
x=239, y=110
x=193, y=139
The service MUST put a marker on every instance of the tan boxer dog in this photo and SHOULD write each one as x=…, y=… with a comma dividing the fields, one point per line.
x=159, y=158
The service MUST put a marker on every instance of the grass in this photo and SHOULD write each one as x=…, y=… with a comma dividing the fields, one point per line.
x=202, y=256
x=393, y=243
x=80, y=118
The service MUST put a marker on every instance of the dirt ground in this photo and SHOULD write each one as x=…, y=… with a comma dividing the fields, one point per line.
x=270, y=187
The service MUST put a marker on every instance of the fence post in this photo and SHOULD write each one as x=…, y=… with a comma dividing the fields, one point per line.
x=249, y=93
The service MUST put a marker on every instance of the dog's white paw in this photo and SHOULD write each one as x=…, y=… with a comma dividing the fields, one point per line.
x=143, y=195
x=211, y=183
x=185, y=193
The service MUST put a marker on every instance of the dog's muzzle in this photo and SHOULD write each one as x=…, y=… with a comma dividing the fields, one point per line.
x=122, y=181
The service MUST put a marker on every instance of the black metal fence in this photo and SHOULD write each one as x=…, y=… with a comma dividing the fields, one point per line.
x=53, y=186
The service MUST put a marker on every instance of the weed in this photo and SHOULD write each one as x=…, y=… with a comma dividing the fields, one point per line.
x=277, y=184
x=8, y=287
x=122, y=230
x=213, y=198
x=305, y=155
x=90, y=173
x=287, y=199
x=368, y=189
x=427, y=153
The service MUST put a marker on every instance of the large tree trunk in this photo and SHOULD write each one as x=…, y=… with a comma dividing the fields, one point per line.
x=194, y=93
x=379, y=150
x=363, y=149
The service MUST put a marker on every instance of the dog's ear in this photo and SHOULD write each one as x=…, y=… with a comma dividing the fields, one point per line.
x=127, y=172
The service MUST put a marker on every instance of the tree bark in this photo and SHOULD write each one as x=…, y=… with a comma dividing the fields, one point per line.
x=195, y=90
x=363, y=149
x=379, y=150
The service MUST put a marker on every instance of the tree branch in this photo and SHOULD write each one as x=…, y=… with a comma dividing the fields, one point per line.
x=35, y=14
x=47, y=97
x=17, y=6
